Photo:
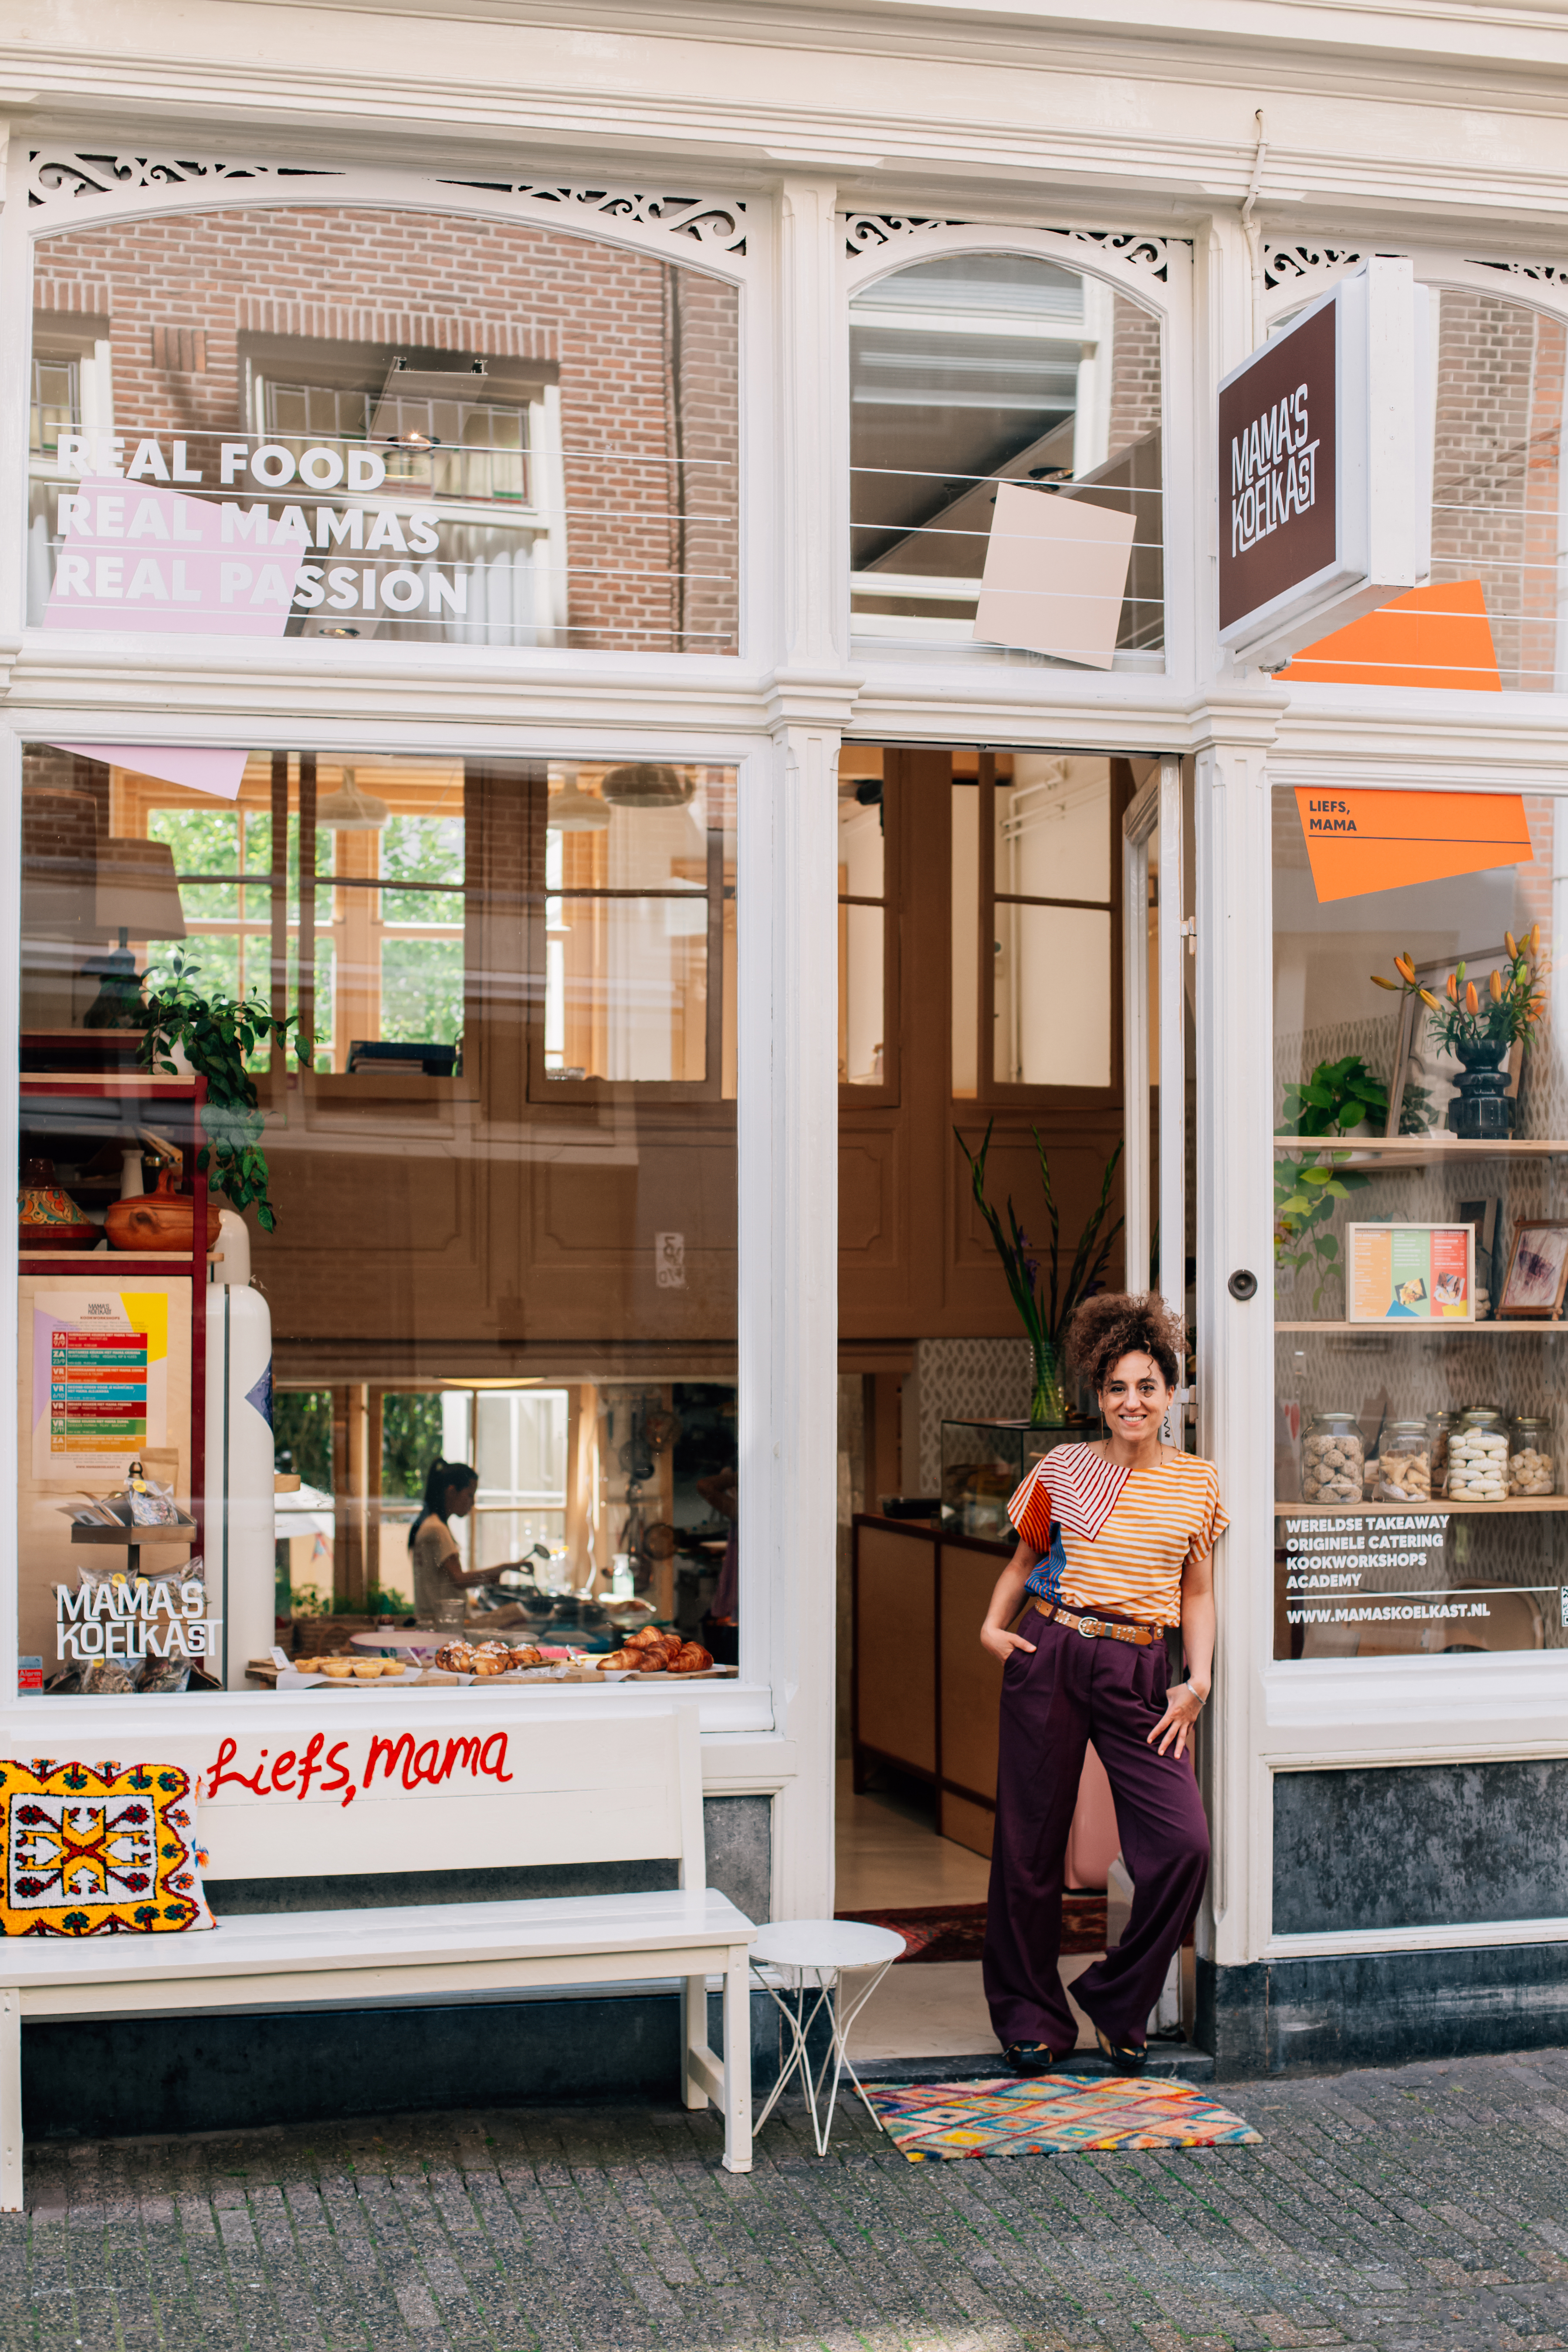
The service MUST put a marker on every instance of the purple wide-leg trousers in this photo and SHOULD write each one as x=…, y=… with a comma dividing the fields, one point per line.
x=1071, y=1690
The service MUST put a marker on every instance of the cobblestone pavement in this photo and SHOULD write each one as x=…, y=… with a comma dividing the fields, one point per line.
x=1424, y=2207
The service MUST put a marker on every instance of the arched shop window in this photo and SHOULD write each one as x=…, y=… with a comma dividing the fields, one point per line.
x=314, y=420
x=1491, y=618
x=974, y=369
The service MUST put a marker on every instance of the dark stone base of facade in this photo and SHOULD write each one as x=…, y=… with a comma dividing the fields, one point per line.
x=129, y=2076
x=1381, y=2009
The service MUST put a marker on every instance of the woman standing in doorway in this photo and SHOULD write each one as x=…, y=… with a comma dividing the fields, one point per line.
x=1137, y=1522
x=439, y=1576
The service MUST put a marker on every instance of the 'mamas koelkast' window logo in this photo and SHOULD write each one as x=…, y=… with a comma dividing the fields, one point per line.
x=1278, y=432
x=1273, y=471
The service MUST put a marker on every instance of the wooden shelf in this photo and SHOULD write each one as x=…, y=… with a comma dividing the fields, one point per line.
x=1438, y=1503
x=1372, y=1153
x=1445, y=1331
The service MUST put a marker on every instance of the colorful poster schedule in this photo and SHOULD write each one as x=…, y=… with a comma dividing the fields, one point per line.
x=101, y=1380
x=1410, y=1274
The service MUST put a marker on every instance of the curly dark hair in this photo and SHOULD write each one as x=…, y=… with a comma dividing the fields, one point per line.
x=1114, y=1325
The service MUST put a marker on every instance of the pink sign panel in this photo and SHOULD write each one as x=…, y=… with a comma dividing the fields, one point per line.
x=134, y=556
x=200, y=770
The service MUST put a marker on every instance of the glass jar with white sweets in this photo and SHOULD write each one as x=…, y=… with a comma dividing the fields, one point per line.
x=1333, y=1460
x=1532, y=1467
x=1478, y=1457
x=1404, y=1463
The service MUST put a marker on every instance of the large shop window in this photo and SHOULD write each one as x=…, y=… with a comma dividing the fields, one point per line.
x=416, y=428
x=1421, y=1236
x=498, y=1138
x=985, y=368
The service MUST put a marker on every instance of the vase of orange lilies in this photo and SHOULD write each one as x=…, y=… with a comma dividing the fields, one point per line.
x=1479, y=1026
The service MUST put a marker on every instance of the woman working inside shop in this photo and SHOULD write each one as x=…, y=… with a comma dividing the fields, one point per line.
x=1137, y=1521
x=440, y=1578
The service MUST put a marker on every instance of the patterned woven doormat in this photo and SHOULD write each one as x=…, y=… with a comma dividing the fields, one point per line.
x=956, y=1931
x=1052, y=2114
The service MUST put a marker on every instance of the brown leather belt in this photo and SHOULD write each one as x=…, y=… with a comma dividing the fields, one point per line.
x=1094, y=1628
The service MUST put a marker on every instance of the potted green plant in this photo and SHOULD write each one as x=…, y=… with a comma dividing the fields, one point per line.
x=217, y=1033
x=1046, y=1315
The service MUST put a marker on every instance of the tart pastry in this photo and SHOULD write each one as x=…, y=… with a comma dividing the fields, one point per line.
x=339, y=1668
x=365, y=1670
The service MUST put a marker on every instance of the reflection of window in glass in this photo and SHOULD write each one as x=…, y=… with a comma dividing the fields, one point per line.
x=1035, y=911
x=862, y=921
x=1052, y=922
x=978, y=368
x=636, y=940
x=375, y=930
x=57, y=402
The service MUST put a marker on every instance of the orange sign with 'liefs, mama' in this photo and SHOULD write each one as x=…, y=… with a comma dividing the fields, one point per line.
x=1363, y=841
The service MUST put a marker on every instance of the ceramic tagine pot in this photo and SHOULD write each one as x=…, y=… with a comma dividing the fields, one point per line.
x=46, y=1217
x=158, y=1220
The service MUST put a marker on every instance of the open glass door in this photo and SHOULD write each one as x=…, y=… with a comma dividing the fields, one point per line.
x=1157, y=935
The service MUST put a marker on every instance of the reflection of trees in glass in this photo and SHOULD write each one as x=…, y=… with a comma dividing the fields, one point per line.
x=410, y=1442
x=422, y=849
x=422, y=989
x=302, y=1434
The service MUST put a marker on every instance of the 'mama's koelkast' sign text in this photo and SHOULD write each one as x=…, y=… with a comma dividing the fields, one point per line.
x=1324, y=465
x=1279, y=448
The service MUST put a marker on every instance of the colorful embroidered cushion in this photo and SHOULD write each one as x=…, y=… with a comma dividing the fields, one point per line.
x=99, y=1850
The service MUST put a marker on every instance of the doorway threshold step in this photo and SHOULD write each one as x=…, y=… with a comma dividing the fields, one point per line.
x=1171, y=2060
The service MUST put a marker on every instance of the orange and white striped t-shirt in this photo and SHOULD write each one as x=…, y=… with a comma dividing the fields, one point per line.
x=1125, y=1535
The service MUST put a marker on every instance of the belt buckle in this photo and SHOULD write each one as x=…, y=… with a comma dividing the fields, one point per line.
x=1090, y=1628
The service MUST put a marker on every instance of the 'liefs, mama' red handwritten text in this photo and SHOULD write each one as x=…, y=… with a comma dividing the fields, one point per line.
x=401, y=1761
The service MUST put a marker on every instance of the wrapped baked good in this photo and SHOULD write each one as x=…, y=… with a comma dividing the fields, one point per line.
x=692, y=1658
x=455, y=1658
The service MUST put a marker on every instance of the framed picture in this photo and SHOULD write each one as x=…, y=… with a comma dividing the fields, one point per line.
x=1411, y=1274
x=1537, y=1268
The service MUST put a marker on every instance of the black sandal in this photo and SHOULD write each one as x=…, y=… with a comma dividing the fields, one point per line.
x=1123, y=2058
x=1031, y=2058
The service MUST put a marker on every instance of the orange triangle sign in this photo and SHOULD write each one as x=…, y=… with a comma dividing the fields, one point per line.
x=1361, y=841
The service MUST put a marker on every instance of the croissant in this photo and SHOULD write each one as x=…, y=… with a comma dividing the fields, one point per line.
x=646, y=1639
x=691, y=1659
x=619, y=1661
x=651, y=1661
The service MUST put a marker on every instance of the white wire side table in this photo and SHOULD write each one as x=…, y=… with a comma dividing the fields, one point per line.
x=812, y=1955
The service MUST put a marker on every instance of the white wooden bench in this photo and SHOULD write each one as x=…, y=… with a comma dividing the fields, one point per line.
x=621, y=1785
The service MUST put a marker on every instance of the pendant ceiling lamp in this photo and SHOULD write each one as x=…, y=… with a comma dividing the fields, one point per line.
x=571, y=811
x=644, y=785
x=348, y=810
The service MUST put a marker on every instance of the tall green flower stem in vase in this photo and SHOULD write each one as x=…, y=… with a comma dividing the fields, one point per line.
x=1046, y=1313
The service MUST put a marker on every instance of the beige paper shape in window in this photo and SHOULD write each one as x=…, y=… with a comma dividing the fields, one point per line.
x=1055, y=575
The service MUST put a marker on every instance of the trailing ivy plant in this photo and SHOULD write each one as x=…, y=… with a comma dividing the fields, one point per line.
x=218, y=1034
